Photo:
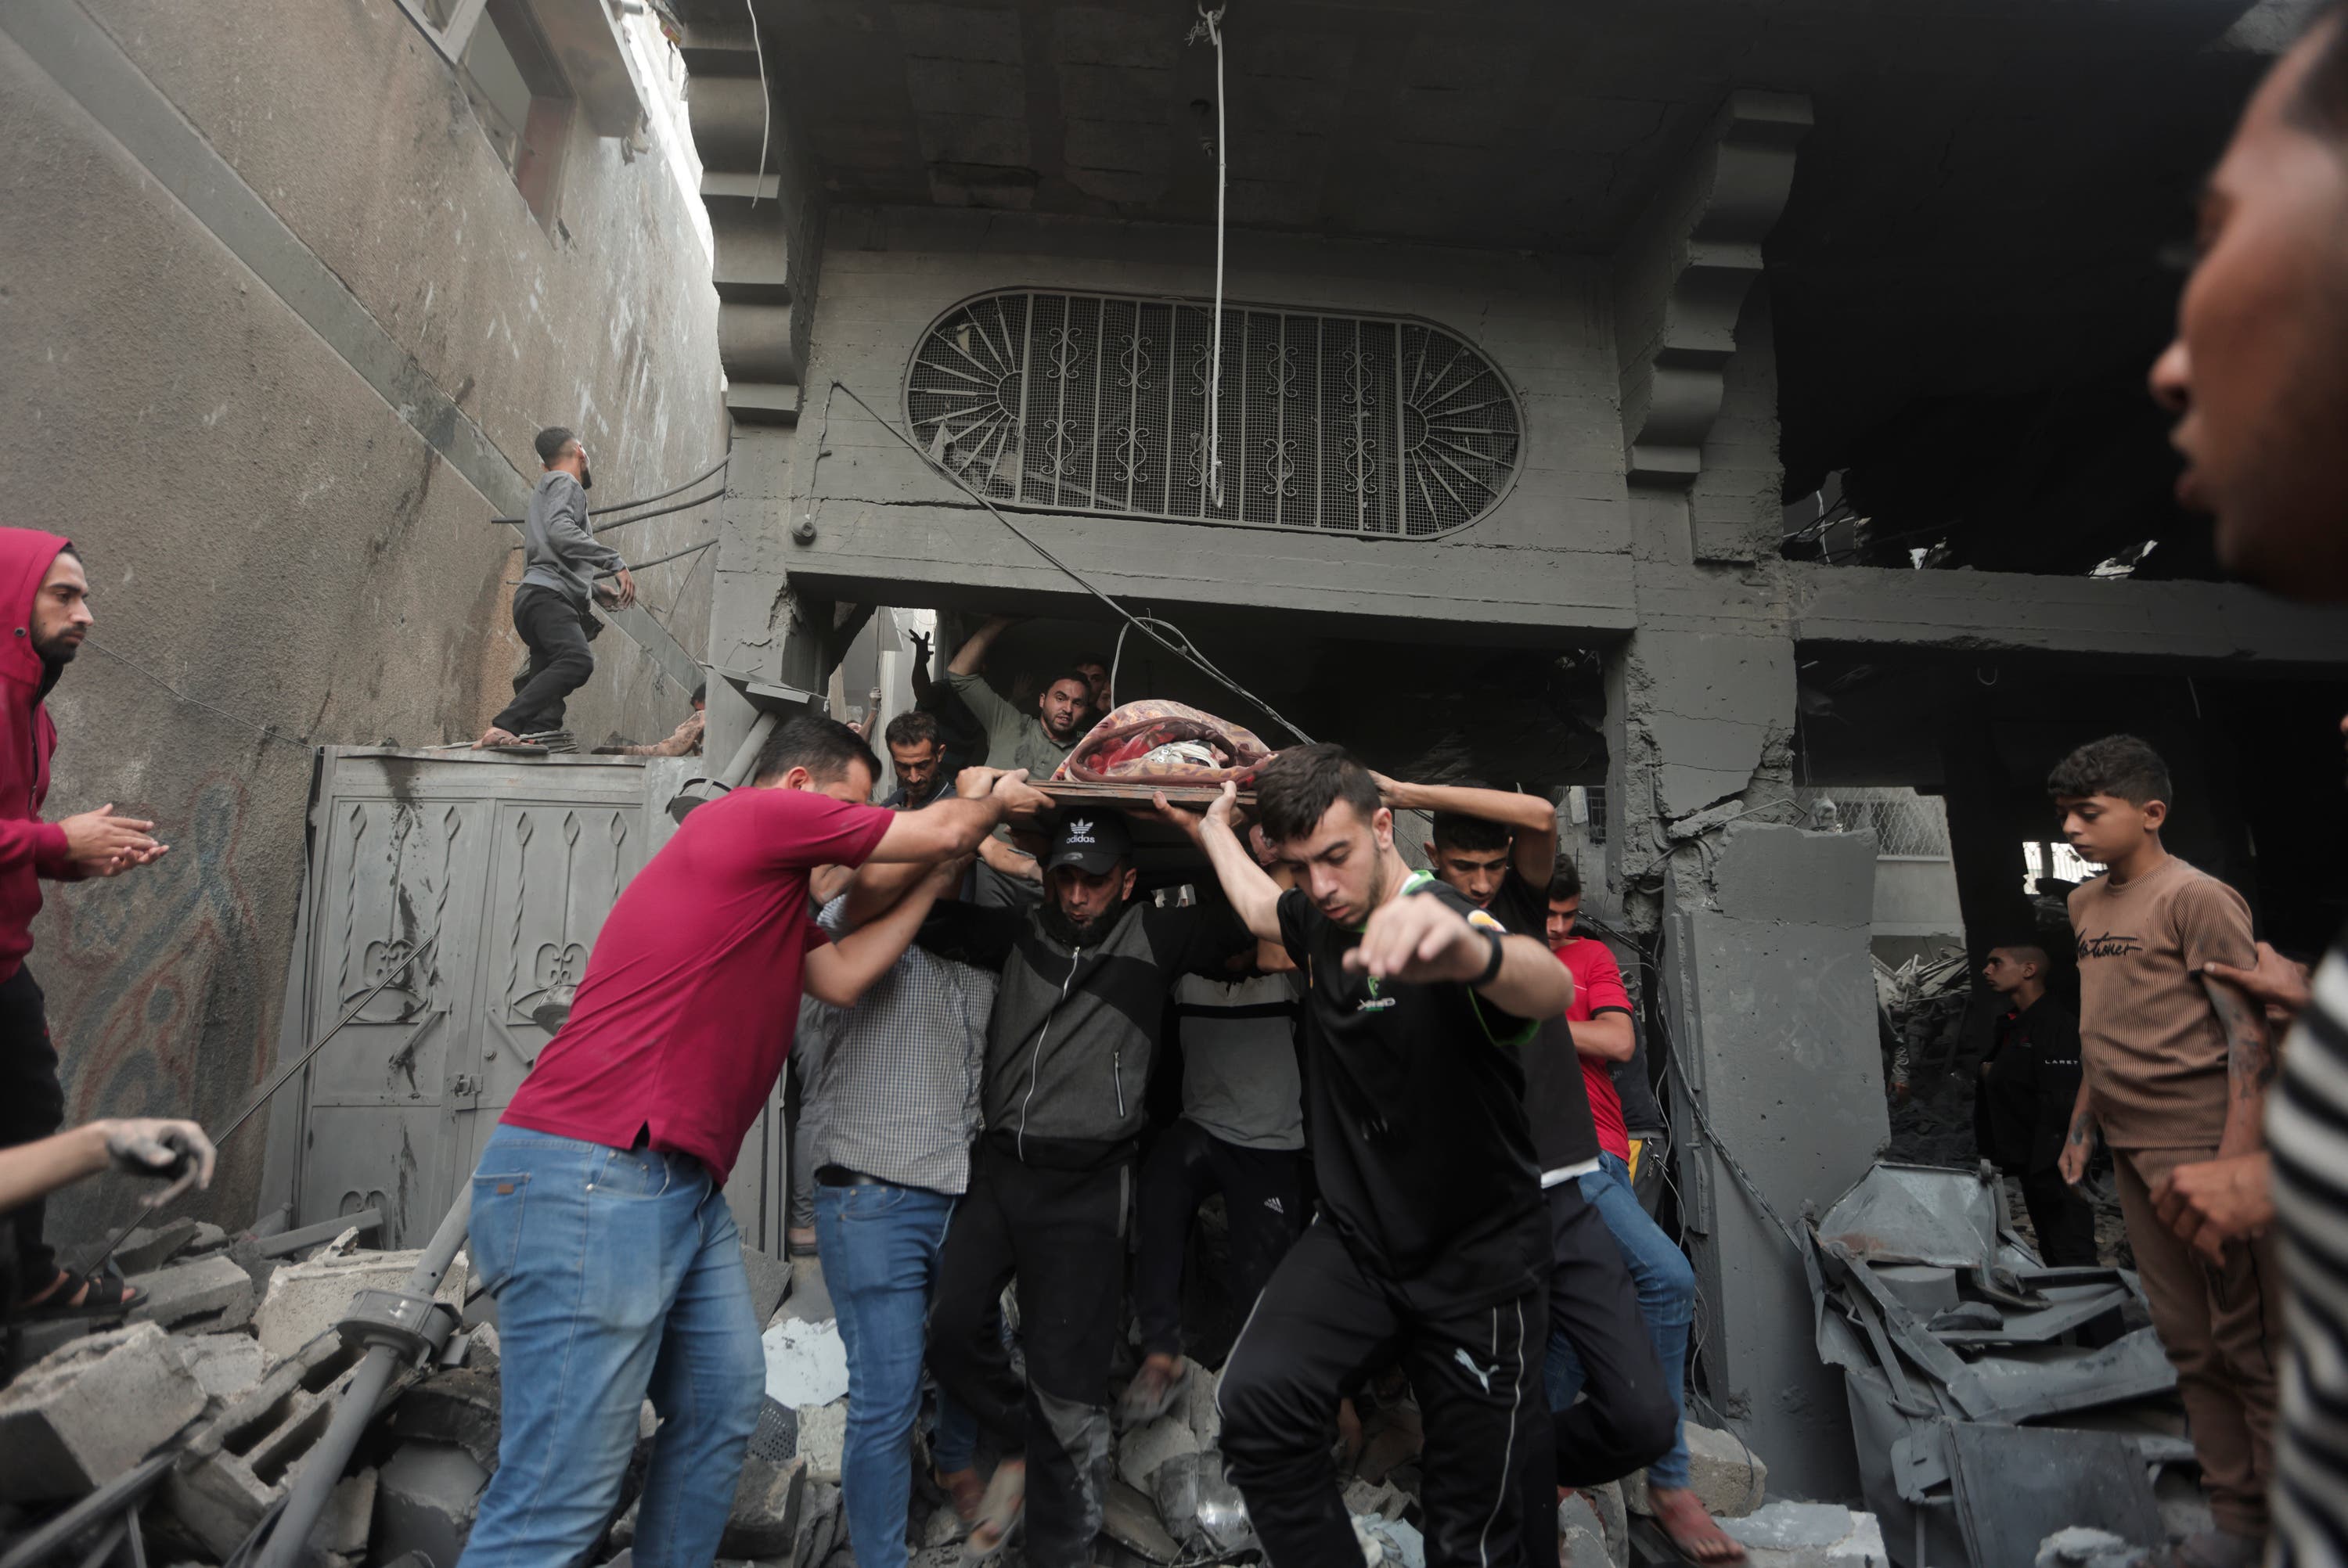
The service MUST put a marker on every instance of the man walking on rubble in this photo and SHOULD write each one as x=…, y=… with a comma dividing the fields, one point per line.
x=1618, y=1314
x=42, y=583
x=892, y=1115
x=1431, y=1239
x=562, y=564
x=599, y=1217
x=2022, y=1110
x=1069, y=1049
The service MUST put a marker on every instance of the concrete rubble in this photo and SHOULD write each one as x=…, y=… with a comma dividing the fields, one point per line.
x=241, y=1367
x=1996, y=1403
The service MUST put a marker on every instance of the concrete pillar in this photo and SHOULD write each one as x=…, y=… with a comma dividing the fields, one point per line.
x=1768, y=1003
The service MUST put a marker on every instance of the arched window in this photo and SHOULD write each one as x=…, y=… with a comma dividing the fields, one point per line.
x=1097, y=403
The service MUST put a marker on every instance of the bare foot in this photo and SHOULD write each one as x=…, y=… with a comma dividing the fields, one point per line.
x=1694, y=1534
x=998, y=1510
x=963, y=1487
x=493, y=736
x=1152, y=1390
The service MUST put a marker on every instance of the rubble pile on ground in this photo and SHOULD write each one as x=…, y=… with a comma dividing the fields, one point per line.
x=1996, y=1403
x=224, y=1386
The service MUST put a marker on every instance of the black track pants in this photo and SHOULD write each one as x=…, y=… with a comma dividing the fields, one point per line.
x=1264, y=1191
x=1478, y=1376
x=1062, y=1234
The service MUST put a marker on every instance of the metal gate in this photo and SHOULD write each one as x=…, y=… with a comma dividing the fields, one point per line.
x=506, y=867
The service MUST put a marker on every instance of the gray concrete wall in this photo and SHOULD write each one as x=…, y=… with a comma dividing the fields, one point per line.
x=229, y=227
x=1770, y=996
x=1550, y=557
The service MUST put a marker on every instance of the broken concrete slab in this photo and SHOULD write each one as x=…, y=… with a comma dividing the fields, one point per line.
x=213, y=1289
x=1728, y=1476
x=1582, y=1533
x=343, y=1528
x=1196, y=1403
x=770, y=1281
x=240, y=1461
x=1613, y=1518
x=225, y=1365
x=459, y=1406
x=766, y=1518
x=1130, y=1520
x=91, y=1411
x=426, y=1499
x=306, y=1299
x=1141, y=1450
x=2080, y=1547
x=149, y=1247
x=481, y=1349
x=1809, y=1535
x=823, y=1439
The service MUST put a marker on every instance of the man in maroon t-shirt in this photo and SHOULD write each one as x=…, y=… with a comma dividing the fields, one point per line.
x=1599, y=1020
x=599, y=1217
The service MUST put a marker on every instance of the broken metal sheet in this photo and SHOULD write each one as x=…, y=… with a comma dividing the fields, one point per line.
x=2032, y=1381
x=2018, y=1485
x=1916, y=1214
x=2068, y=1307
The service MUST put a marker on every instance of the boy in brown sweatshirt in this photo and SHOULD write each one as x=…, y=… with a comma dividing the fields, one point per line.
x=2176, y=1070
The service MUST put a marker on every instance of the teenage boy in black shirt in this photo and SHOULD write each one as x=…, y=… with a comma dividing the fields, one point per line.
x=1497, y=848
x=2029, y=1084
x=1430, y=1240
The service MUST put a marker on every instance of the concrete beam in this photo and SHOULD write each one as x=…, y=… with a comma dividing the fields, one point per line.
x=1680, y=280
x=2166, y=623
x=959, y=557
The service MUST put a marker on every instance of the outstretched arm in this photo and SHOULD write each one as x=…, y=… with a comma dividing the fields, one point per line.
x=2250, y=1068
x=1254, y=897
x=1424, y=940
x=971, y=657
x=1607, y=1037
x=1530, y=818
x=948, y=828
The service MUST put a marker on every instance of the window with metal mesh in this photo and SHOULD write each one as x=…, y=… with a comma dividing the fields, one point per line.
x=1097, y=403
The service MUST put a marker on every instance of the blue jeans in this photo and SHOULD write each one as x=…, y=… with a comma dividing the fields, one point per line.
x=617, y=1274
x=1666, y=1300
x=879, y=1247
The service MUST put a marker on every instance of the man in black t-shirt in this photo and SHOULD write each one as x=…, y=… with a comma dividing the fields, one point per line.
x=1430, y=1241
x=1498, y=849
x=2022, y=1109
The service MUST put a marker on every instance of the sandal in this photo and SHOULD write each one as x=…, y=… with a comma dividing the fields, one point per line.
x=100, y=1295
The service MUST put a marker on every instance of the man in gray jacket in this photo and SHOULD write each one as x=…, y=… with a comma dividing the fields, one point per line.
x=1068, y=1054
x=560, y=561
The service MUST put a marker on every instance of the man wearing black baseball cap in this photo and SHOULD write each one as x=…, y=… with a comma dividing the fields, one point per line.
x=1068, y=1054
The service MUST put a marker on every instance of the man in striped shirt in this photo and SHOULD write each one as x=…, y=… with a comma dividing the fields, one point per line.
x=2257, y=376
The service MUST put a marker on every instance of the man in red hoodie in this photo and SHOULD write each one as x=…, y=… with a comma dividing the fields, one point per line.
x=45, y=600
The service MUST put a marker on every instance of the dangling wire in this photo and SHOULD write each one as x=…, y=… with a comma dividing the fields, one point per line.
x=765, y=102
x=1209, y=29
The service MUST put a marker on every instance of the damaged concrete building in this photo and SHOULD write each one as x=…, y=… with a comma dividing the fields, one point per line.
x=1536, y=321
x=1704, y=414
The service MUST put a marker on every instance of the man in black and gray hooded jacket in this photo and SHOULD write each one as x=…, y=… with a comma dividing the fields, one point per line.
x=1068, y=1053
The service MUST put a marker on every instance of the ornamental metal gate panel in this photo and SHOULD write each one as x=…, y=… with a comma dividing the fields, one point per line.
x=1097, y=403
x=507, y=868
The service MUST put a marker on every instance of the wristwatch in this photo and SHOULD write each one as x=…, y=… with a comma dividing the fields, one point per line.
x=1491, y=965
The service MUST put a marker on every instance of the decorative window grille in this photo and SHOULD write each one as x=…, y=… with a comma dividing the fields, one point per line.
x=1097, y=403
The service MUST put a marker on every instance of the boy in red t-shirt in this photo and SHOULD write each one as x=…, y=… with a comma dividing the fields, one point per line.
x=1599, y=1019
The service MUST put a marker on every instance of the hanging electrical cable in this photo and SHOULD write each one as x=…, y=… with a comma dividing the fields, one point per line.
x=646, y=500
x=1186, y=649
x=1209, y=29
x=766, y=101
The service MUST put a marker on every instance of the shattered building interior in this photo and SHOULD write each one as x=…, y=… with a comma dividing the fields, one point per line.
x=1724, y=417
